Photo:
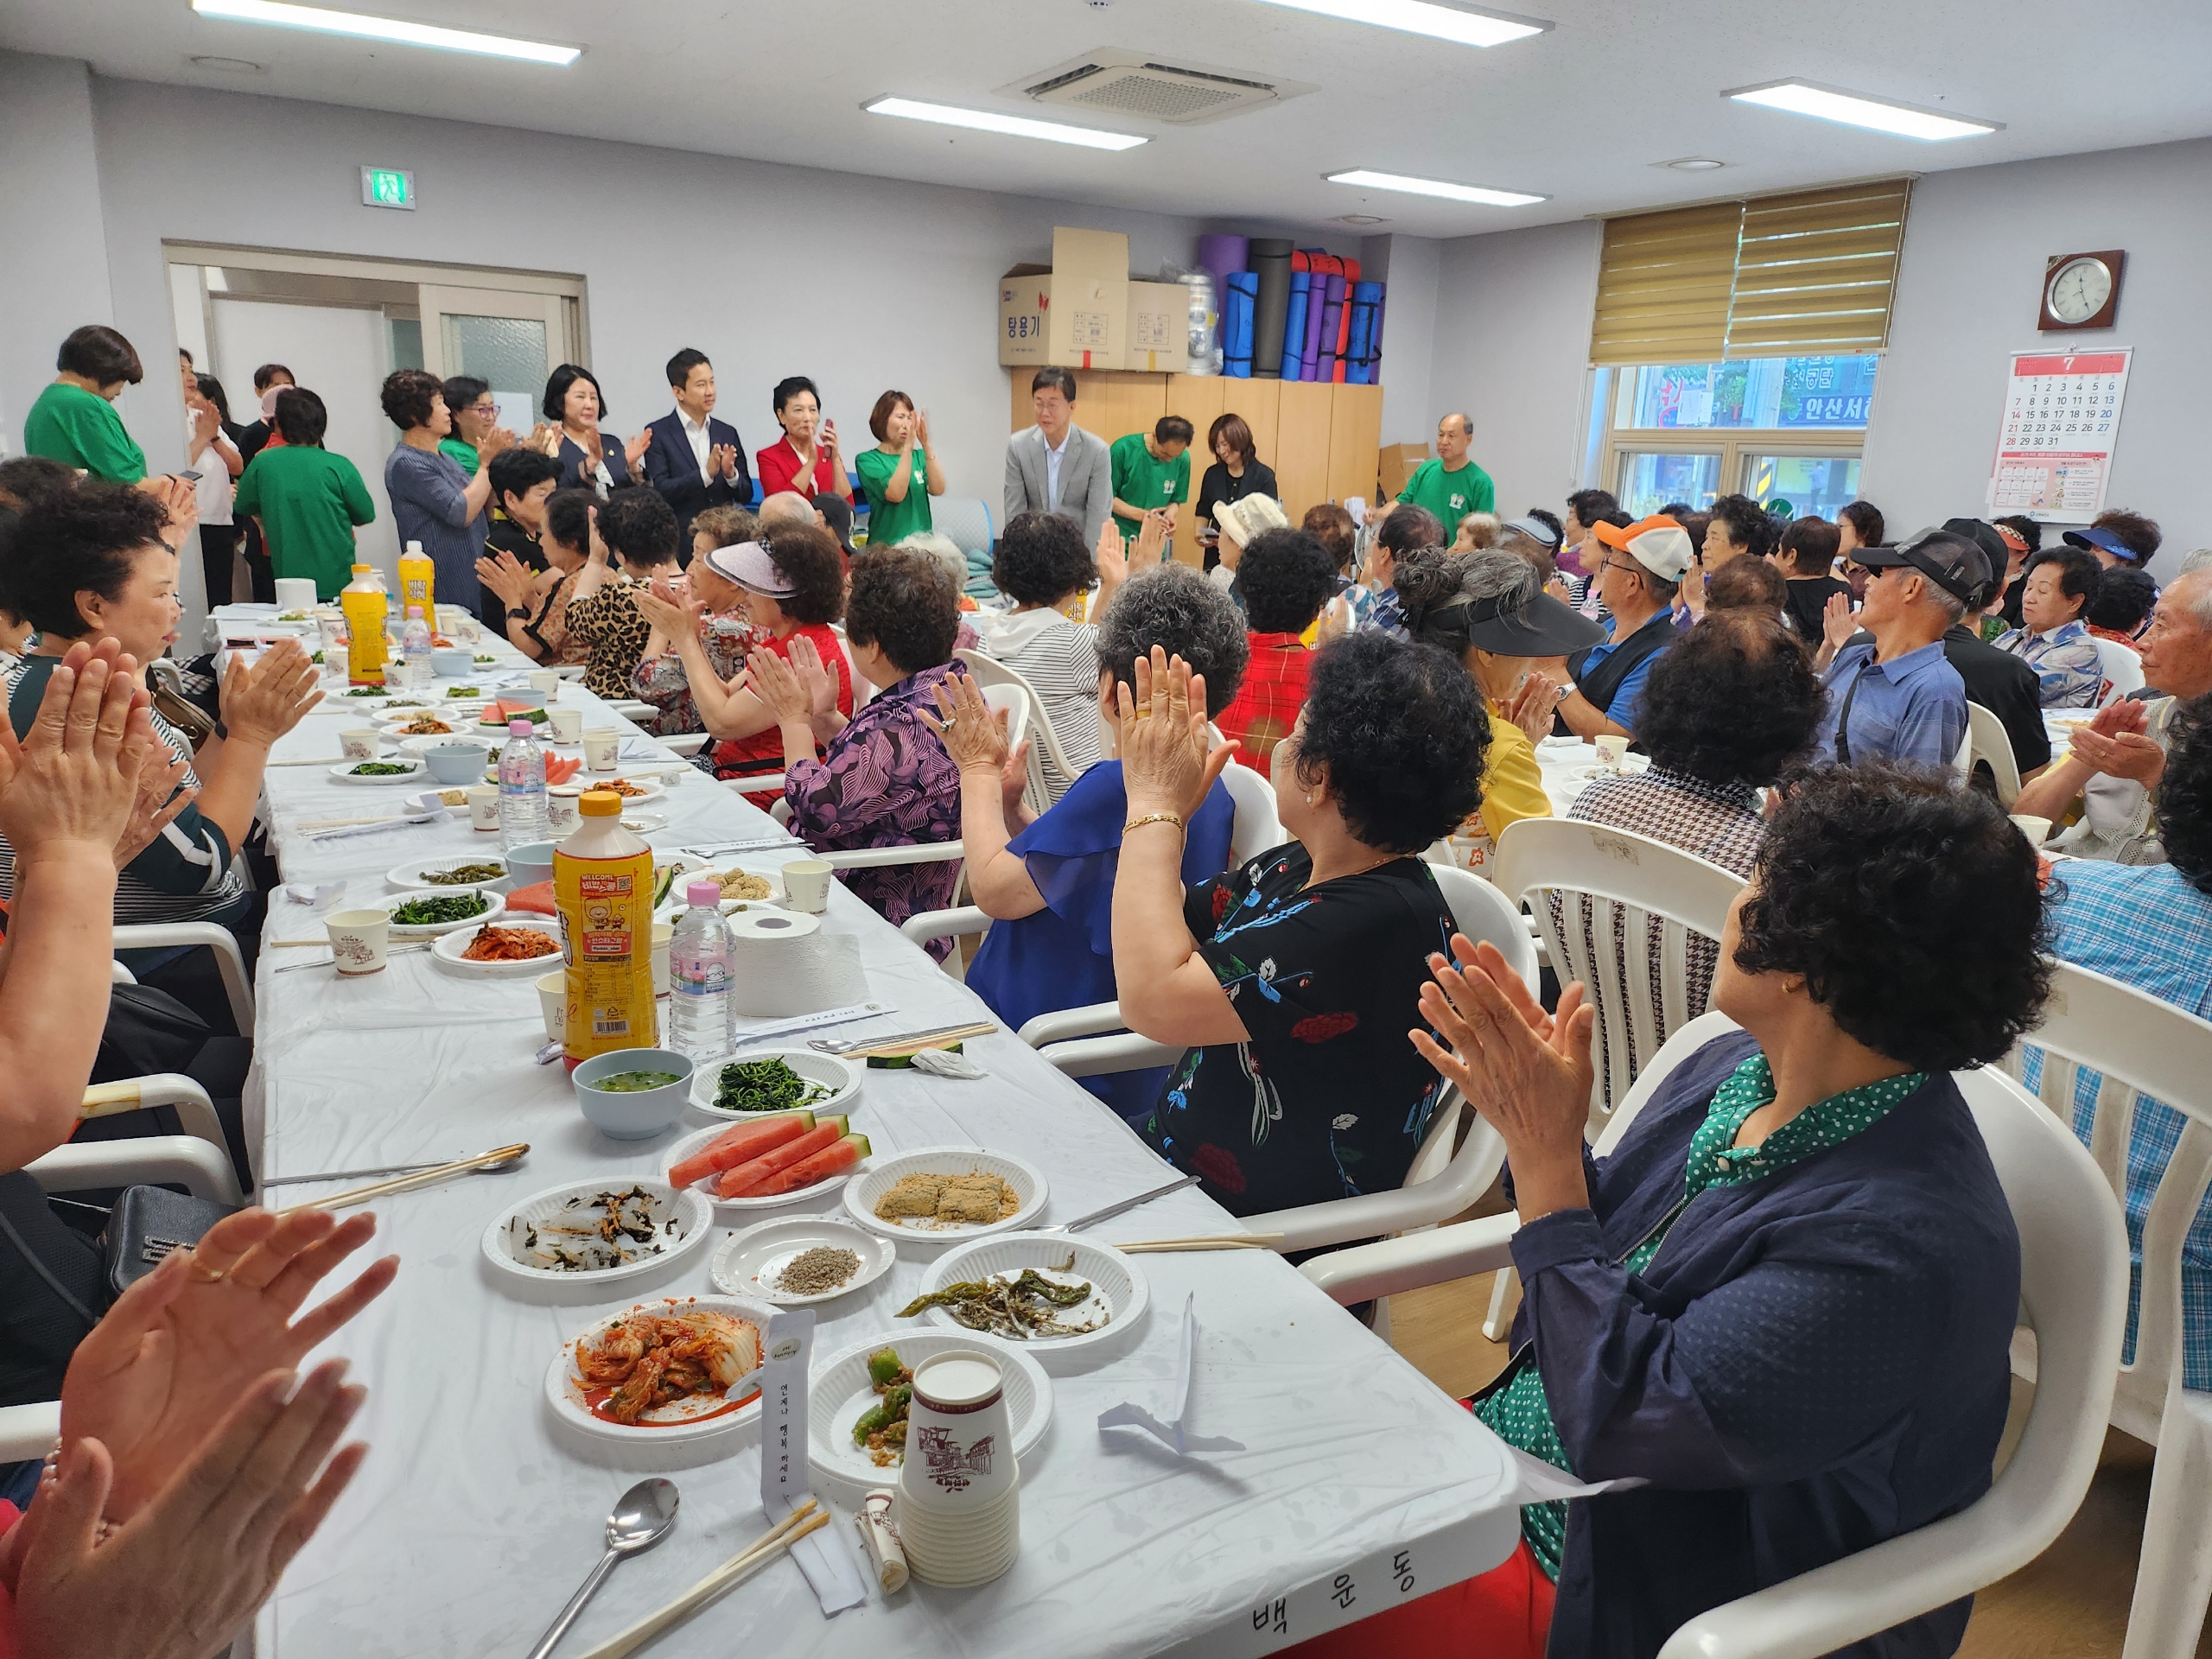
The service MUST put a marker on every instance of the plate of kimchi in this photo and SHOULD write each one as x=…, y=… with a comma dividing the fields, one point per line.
x=511, y=947
x=662, y=1370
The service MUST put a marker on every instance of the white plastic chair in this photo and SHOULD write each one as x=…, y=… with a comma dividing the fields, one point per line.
x=1989, y=743
x=685, y=743
x=2072, y=1292
x=2123, y=668
x=230, y=961
x=2142, y=1045
x=1043, y=741
x=1258, y=827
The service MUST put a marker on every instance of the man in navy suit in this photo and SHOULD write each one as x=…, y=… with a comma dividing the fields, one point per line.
x=695, y=461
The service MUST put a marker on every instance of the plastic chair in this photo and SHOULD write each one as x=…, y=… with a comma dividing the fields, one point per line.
x=2072, y=1292
x=1989, y=744
x=2123, y=669
x=1043, y=741
x=2141, y=1045
x=687, y=743
x=965, y=519
x=1258, y=829
x=230, y=961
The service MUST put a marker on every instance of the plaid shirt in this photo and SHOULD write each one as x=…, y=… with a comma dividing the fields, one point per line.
x=1266, y=704
x=2147, y=927
x=2065, y=660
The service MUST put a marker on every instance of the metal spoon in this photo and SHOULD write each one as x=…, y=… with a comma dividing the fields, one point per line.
x=644, y=1517
x=390, y=1169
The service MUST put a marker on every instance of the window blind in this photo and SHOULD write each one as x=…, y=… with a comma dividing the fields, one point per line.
x=1663, y=285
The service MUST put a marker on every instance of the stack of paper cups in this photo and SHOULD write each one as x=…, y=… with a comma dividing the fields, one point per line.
x=782, y=964
x=960, y=1489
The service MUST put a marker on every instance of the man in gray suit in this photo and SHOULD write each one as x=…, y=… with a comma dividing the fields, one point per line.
x=1055, y=466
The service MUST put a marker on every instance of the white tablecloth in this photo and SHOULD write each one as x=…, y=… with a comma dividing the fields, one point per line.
x=474, y=1519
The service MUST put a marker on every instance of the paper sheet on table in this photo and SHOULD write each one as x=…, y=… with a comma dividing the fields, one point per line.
x=1174, y=1433
x=824, y=1556
x=642, y=748
x=1541, y=1484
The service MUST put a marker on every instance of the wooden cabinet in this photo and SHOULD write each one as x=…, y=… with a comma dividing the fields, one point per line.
x=1322, y=440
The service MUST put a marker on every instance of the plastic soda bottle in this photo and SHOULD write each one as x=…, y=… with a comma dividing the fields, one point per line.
x=363, y=601
x=603, y=891
x=699, y=975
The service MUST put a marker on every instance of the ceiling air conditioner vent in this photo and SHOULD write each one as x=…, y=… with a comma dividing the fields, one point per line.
x=1177, y=94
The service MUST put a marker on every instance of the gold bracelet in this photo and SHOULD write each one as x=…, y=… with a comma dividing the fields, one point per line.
x=1175, y=818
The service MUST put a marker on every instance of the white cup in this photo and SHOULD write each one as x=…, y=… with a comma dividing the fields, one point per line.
x=567, y=724
x=1612, y=750
x=553, y=1002
x=484, y=807
x=664, y=933
x=806, y=885
x=294, y=593
x=363, y=743
x=2034, y=829
x=600, y=748
x=357, y=939
x=447, y=619
x=564, y=810
x=959, y=1434
x=545, y=683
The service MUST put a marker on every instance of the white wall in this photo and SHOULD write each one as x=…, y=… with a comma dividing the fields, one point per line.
x=1411, y=266
x=53, y=256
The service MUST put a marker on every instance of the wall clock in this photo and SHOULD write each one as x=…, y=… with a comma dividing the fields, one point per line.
x=2081, y=291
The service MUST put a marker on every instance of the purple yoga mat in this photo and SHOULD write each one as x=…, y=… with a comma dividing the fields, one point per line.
x=1222, y=256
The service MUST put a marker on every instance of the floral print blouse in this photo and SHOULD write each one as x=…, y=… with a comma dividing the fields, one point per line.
x=662, y=681
x=885, y=781
x=1326, y=1099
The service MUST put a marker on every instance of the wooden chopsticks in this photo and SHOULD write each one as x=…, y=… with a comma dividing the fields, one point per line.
x=406, y=1183
x=1220, y=1241
x=808, y=1517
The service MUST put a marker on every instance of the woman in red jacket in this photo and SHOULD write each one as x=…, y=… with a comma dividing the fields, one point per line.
x=806, y=459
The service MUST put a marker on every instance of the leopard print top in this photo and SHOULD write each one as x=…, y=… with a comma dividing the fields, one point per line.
x=610, y=623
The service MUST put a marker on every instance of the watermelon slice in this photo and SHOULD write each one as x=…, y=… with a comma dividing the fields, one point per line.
x=830, y=1160
x=738, y=1182
x=740, y=1145
x=536, y=897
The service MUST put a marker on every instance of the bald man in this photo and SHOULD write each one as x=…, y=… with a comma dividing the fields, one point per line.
x=1450, y=487
x=788, y=506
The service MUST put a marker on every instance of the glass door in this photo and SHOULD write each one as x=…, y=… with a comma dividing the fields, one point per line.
x=509, y=340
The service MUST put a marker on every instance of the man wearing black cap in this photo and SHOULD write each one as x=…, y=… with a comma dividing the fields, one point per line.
x=1894, y=697
x=1995, y=679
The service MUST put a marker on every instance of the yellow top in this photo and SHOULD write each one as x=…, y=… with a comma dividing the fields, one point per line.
x=605, y=803
x=1513, y=786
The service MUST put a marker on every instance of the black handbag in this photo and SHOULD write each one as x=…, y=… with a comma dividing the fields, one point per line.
x=146, y=1224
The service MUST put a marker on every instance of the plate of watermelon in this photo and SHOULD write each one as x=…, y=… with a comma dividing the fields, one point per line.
x=767, y=1162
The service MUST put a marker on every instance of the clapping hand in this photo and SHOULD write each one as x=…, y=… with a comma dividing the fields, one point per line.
x=1151, y=536
x=722, y=460
x=973, y=735
x=1837, y=622
x=921, y=428
x=162, y=795
x=1532, y=705
x=1165, y=764
x=670, y=613
x=179, y=499
x=779, y=687
x=264, y=701
x=1112, y=558
x=507, y=576
x=815, y=675
x=496, y=440
x=2117, y=743
x=73, y=778
x=635, y=450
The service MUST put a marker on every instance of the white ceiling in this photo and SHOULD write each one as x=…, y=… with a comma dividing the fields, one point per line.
x=1581, y=114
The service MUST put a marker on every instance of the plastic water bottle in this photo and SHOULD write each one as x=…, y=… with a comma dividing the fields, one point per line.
x=415, y=646
x=522, y=790
x=699, y=976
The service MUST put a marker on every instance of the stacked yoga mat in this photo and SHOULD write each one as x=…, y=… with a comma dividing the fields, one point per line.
x=1294, y=314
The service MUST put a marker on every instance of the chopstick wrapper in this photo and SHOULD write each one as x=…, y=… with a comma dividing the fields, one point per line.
x=879, y=1536
x=824, y=1556
x=1173, y=1433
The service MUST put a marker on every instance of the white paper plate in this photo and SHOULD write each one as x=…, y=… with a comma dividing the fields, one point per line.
x=506, y=1239
x=398, y=717
x=840, y=1393
x=430, y=930
x=341, y=696
x=882, y=1174
x=418, y=770
x=1117, y=1286
x=678, y=1424
x=411, y=874
x=730, y=1209
x=696, y=869
x=645, y=824
x=647, y=789
x=841, y=1077
x=447, y=948
x=747, y=1263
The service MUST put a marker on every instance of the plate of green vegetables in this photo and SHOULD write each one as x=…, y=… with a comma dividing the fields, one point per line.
x=397, y=769
x=427, y=911
x=773, y=1080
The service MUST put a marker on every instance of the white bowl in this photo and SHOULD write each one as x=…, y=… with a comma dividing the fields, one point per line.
x=682, y=1423
x=409, y=876
x=734, y=1209
x=841, y=1078
x=747, y=1263
x=417, y=769
x=496, y=907
x=505, y=1240
x=447, y=948
x=1118, y=1290
x=882, y=1174
x=840, y=1392
x=422, y=746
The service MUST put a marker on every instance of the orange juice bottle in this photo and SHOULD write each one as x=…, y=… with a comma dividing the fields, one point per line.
x=363, y=603
x=418, y=581
x=603, y=891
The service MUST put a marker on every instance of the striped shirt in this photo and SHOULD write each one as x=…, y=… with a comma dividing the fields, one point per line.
x=1059, y=658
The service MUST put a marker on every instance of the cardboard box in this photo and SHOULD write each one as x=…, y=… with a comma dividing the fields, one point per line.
x=1159, y=329
x=1397, y=462
x=1076, y=314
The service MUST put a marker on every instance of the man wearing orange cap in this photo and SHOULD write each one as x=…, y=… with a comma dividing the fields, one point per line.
x=1636, y=581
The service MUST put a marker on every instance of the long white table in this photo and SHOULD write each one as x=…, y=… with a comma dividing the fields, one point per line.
x=474, y=1519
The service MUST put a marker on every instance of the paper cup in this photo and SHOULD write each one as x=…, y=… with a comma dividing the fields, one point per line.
x=450, y=618
x=600, y=748
x=553, y=1002
x=545, y=683
x=807, y=881
x=2034, y=829
x=363, y=743
x=1613, y=749
x=664, y=932
x=567, y=724
x=564, y=810
x=484, y=807
x=357, y=939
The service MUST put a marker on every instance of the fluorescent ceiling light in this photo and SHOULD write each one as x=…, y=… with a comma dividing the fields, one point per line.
x=1444, y=23
x=325, y=21
x=1015, y=126
x=1436, y=188
x=1854, y=110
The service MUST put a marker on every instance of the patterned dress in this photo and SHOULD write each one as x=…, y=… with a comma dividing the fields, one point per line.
x=663, y=680
x=614, y=631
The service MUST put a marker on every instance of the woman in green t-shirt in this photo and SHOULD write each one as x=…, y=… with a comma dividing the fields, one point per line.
x=75, y=422
x=899, y=475
x=308, y=501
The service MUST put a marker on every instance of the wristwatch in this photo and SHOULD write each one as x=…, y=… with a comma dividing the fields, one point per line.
x=1563, y=693
x=515, y=614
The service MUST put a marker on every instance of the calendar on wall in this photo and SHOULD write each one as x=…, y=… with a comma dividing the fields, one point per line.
x=2062, y=420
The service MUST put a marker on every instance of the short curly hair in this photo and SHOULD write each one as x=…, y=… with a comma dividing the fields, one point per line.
x=2124, y=600
x=2185, y=794
x=1288, y=576
x=1734, y=702
x=1912, y=909
x=812, y=563
x=1331, y=526
x=1040, y=559
x=408, y=394
x=2080, y=576
x=69, y=542
x=640, y=526
x=904, y=603
x=1174, y=607
x=1400, y=733
x=1748, y=525
x=727, y=526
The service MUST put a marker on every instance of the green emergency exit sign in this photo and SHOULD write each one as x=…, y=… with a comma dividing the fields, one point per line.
x=387, y=187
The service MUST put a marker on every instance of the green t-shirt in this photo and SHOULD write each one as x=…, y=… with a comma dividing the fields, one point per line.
x=463, y=456
x=1450, y=496
x=309, y=501
x=1143, y=482
x=80, y=429
x=893, y=521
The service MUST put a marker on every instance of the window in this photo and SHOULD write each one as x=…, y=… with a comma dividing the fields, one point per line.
x=1787, y=428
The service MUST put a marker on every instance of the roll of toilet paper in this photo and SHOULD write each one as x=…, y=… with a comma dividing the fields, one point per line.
x=782, y=964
